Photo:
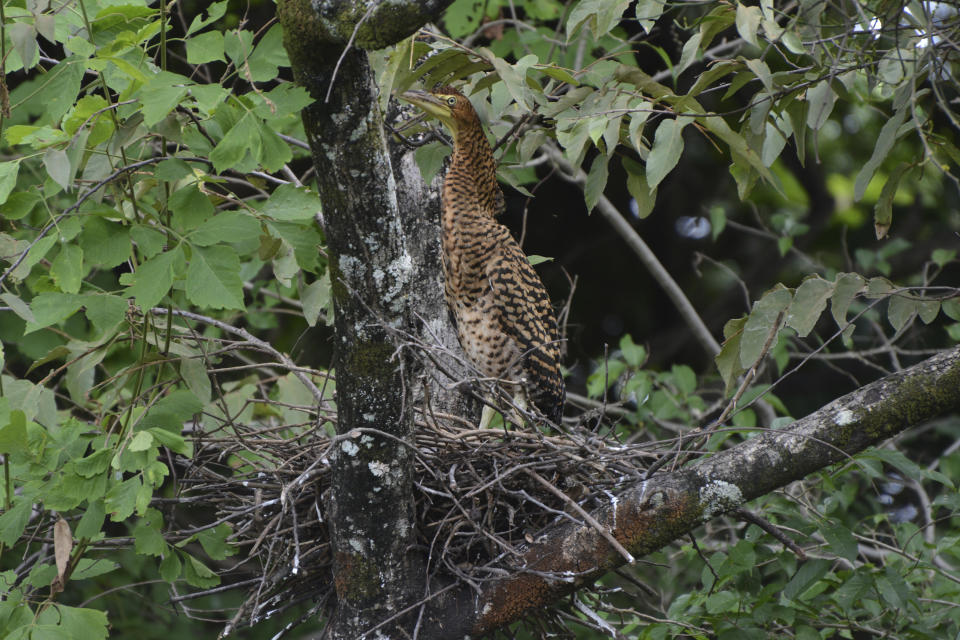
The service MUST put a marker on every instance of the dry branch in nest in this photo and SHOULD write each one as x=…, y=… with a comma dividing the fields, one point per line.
x=264, y=464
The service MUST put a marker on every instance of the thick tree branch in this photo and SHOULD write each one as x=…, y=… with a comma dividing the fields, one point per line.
x=646, y=516
x=388, y=21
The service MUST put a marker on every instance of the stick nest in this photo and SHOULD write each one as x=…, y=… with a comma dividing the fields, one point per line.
x=479, y=494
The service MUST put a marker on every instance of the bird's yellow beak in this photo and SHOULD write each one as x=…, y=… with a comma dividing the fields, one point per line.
x=431, y=105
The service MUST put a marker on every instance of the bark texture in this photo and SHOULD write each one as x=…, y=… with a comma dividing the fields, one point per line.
x=379, y=251
x=646, y=516
x=375, y=24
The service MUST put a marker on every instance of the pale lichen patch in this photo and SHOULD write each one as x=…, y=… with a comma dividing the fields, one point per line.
x=349, y=447
x=718, y=497
x=845, y=417
x=379, y=469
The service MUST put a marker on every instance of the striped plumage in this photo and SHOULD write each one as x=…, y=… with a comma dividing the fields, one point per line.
x=503, y=314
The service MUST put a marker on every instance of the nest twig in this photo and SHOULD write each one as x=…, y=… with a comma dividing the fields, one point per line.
x=263, y=466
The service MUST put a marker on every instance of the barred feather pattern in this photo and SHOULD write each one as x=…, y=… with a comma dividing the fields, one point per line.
x=504, y=318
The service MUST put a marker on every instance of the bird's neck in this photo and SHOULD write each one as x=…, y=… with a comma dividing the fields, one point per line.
x=474, y=169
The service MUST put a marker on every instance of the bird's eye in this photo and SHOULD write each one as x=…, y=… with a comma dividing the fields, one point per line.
x=451, y=101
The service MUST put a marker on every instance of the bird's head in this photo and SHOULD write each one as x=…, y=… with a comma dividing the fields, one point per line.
x=446, y=104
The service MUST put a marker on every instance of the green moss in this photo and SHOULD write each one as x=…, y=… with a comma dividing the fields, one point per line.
x=303, y=33
x=337, y=289
x=356, y=578
x=372, y=359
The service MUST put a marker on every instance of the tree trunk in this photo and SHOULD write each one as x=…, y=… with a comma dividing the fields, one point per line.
x=380, y=263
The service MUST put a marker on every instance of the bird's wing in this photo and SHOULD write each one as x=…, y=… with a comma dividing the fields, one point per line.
x=527, y=317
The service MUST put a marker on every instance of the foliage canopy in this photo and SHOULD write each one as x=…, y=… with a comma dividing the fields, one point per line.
x=162, y=254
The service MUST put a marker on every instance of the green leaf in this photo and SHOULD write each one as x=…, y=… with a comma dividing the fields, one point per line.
x=172, y=170
x=92, y=520
x=214, y=12
x=170, y=567
x=149, y=240
x=268, y=56
x=153, y=279
x=847, y=287
x=194, y=373
x=148, y=539
x=634, y=354
x=52, y=308
x=20, y=204
x=748, y=21
x=942, y=257
x=190, y=207
x=283, y=100
x=902, y=307
x=275, y=153
x=13, y=436
x=648, y=12
x=841, y=541
x=105, y=244
x=104, y=311
x=61, y=86
x=24, y=39
x=161, y=95
x=728, y=360
x=121, y=500
x=810, y=572
x=36, y=137
x=429, y=159
x=883, y=210
x=315, y=298
x=171, y=412
x=906, y=466
x=96, y=463
x=765, y=318
x=213, y=278
x=600, y=16
x=289, y=202
x=18, y=306
x=141, y=441
x=91, y=568
x=90, y=111
x=643, y=195
x=689, y=53
x=951, y=308
x=67, y=268
x=57, y=164
x=666, y=150
x=14, y=520
x=229, y=226
x=808, y=304
x=173, y=441
x=304, y=239
x=240, y=148
x=821, y=98
x=214, y=541
x=723, y=602
x=889, y=133
x=8, y=180
x=206, y=47
x=928, y=310
x=596, y=181
x=89, y=624
x=894, y=590
x=198, y=574
x=684, y=378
